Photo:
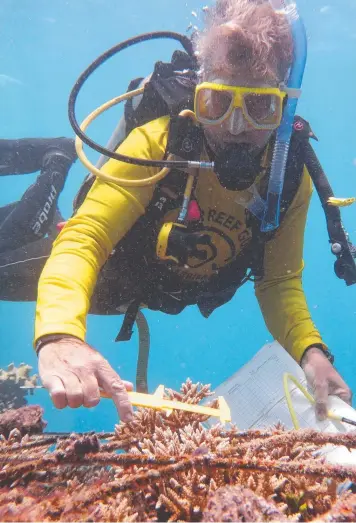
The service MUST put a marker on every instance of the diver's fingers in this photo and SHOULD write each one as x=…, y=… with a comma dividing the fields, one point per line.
x=56, y=390
x=91, y=391
x=73, y=389
x=321, y=391
x=344, y=393
x=115, y=387
x=128, y=385
x=121, y=400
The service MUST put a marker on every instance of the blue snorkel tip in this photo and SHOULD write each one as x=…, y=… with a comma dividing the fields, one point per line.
x=270, y=220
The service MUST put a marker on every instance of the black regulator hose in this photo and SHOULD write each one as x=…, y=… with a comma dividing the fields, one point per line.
x=188, y=47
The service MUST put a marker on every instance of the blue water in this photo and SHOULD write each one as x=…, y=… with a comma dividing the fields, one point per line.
x=44, y=46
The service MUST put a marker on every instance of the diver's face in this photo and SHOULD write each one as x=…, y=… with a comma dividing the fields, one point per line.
x=236, y=129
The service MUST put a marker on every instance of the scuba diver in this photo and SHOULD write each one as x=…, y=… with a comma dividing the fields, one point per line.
x=27, y=227
x=228, y=206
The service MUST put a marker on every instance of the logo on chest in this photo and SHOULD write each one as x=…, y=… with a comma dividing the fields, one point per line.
x=223, y=236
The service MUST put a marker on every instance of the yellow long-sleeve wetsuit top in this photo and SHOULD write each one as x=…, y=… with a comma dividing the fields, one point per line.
x=84, y=245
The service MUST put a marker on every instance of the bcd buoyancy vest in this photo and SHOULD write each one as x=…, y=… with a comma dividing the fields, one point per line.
x=169, y=90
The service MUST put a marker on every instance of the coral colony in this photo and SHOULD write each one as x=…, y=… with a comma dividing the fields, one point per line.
x=159, y=468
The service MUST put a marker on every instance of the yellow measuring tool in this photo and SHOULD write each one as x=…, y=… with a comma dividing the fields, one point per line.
x=158, y=402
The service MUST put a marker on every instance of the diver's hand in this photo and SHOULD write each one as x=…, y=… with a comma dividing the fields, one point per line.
x=72, y=371
x=324, y=379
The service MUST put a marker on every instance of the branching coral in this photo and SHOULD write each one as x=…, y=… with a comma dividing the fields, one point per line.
x=169, y=469
x=240, y=504
x=12, y=396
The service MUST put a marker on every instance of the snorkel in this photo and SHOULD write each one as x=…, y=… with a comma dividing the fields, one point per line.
x=270, y=219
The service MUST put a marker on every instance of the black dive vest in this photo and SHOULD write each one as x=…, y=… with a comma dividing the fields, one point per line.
x=162, y=289
x=151, y=281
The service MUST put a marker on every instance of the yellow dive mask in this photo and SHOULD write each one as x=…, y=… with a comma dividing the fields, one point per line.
x=262, y=107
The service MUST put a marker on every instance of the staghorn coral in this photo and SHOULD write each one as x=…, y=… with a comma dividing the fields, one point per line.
x=11, y=395
x=148, y=421
x=343, y=510
x=240, y=504
x=169, y=469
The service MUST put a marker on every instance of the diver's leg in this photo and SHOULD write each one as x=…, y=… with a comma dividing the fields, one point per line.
x=5, y=211
x=31, y=218
x=25, y=155
x=20, y=270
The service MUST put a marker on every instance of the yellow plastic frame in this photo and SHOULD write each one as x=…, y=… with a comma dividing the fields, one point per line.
x=157, y=401
x=237, y=100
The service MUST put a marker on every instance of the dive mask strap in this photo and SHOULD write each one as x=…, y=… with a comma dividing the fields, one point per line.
x=292, y=92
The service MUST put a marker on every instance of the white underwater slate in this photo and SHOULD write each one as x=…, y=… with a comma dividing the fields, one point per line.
x=256, y=398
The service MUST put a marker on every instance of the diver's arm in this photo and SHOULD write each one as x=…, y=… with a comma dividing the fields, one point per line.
x=69, y=277
x=280, y=293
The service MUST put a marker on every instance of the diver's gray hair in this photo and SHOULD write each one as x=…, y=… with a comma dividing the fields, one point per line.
x=245, y=31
